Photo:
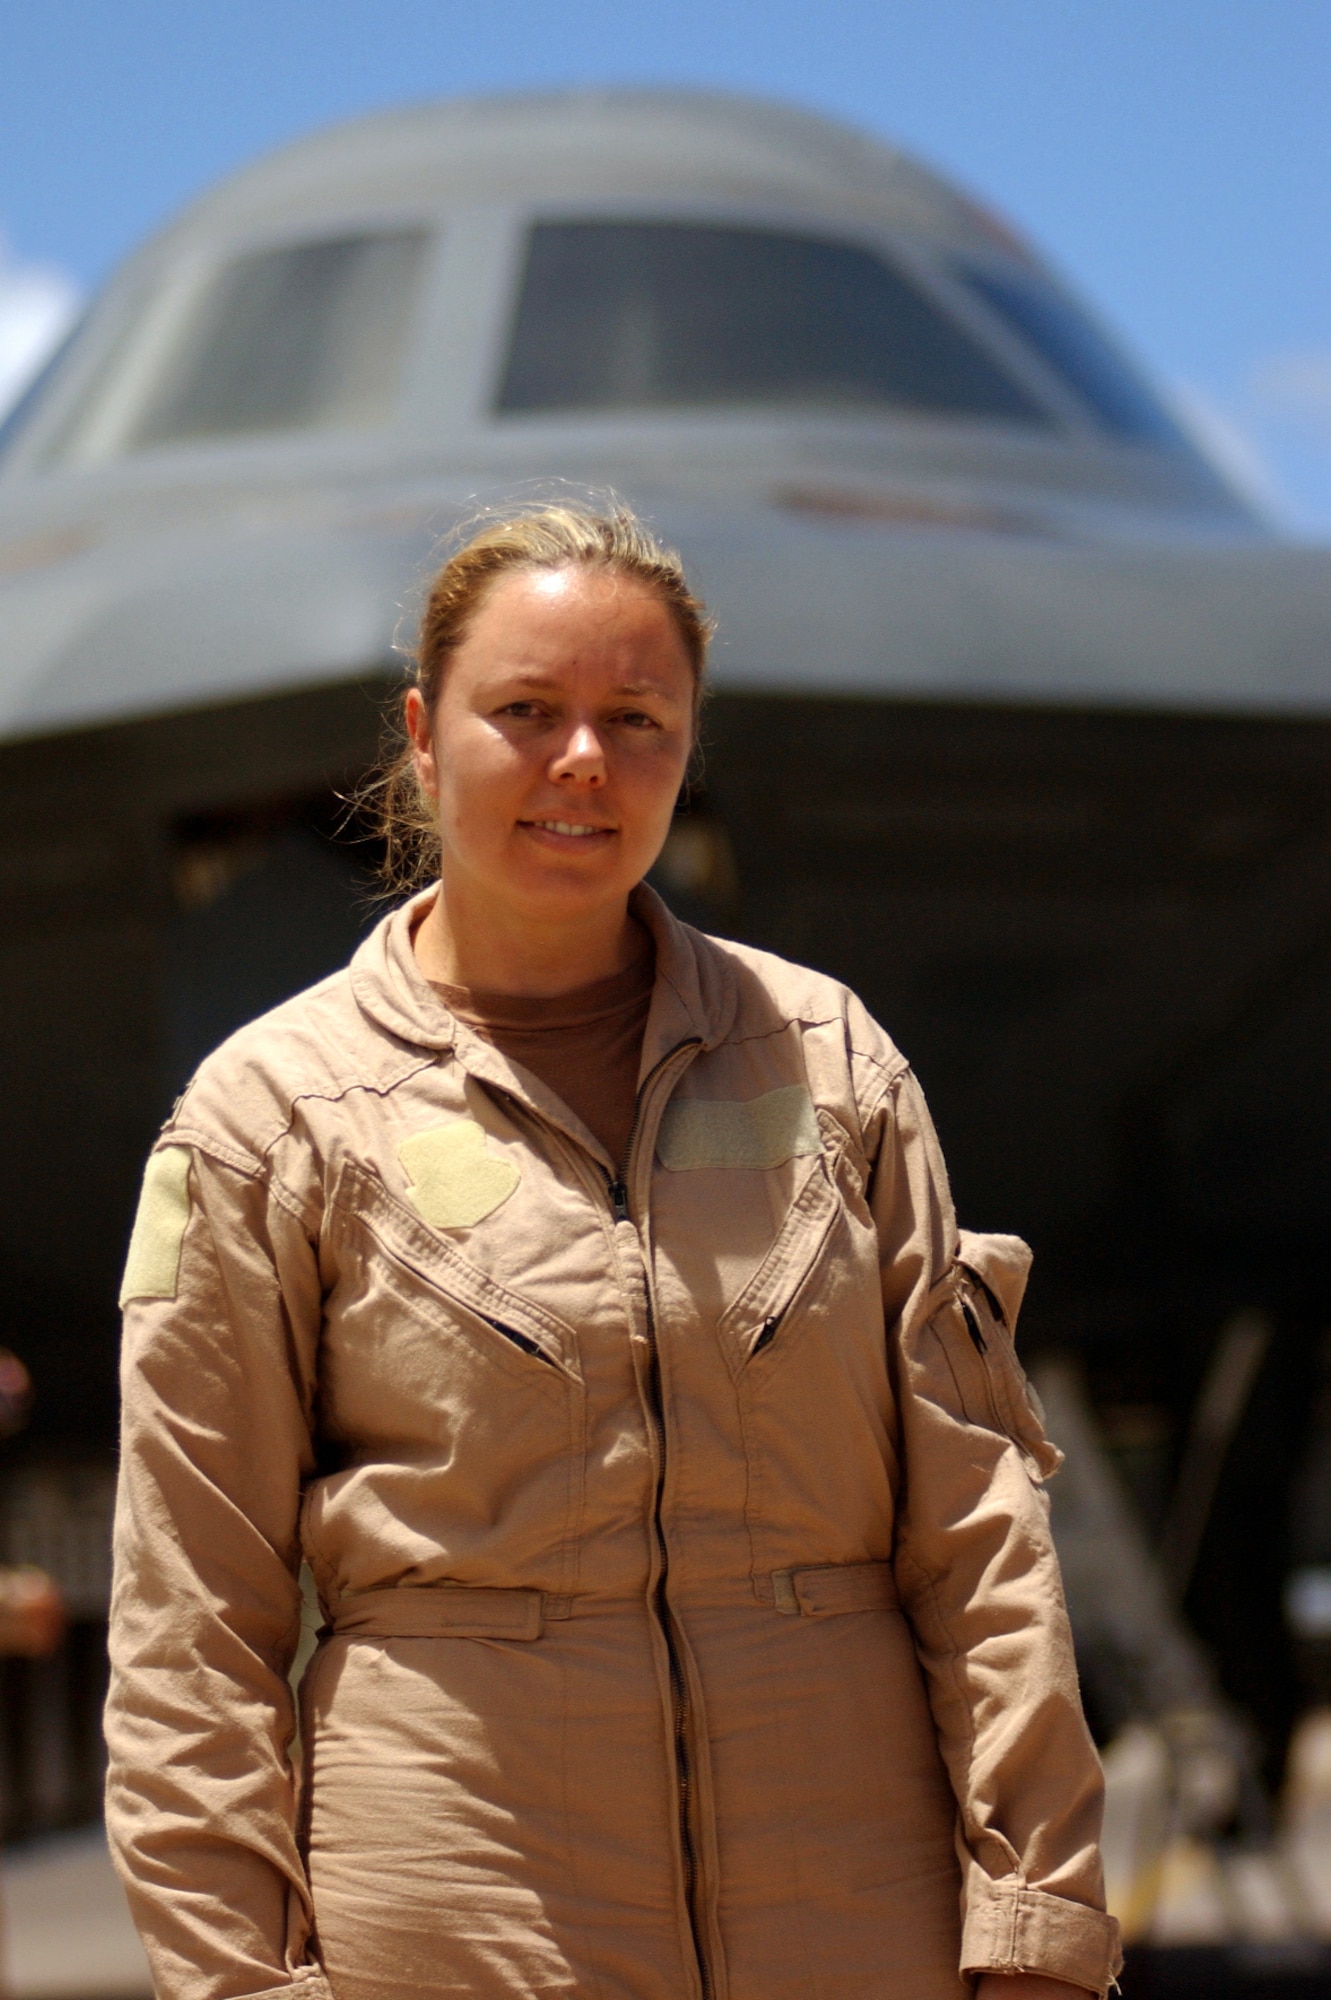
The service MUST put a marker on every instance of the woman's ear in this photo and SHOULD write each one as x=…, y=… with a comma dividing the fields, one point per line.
x=416, y=717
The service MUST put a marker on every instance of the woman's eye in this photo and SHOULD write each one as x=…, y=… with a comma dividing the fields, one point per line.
x=638, y=718
x=523, y=710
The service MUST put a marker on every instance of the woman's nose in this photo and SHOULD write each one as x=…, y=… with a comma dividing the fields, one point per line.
x=582, y=757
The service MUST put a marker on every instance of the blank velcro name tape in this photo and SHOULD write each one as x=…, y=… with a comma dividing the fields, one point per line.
x=758, y=1132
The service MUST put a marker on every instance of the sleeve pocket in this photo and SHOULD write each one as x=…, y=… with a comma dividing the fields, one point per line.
x=976, y=1327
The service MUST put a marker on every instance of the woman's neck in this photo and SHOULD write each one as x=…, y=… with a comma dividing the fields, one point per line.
x=507, y=954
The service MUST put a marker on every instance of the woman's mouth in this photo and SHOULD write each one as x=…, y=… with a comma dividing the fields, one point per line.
x=564, y=833
x=568, y=829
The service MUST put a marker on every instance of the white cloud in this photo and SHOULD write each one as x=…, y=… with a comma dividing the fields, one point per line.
x=37, y=306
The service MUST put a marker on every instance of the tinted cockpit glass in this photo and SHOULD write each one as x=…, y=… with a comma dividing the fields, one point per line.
x=656, y=315
x=309, y=335
x=1075, y=347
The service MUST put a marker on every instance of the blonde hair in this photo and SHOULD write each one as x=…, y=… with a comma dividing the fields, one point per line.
x=543, y=536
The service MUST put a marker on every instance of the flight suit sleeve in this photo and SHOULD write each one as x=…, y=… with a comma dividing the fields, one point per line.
x=979, y=1578
x=222, y=1313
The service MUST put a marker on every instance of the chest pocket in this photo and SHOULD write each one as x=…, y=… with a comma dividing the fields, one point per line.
x=807, y=1352
x=453, y=1400
x=370, y=1215
x=770, y=1302
x=739, y=1198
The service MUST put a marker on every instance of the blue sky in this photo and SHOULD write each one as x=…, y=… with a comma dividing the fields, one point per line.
x=1174, y=156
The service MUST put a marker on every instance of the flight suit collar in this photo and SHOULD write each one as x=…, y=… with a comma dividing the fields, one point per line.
x=694, y=998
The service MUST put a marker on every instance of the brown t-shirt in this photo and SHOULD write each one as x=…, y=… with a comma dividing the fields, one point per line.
x=586, y=1045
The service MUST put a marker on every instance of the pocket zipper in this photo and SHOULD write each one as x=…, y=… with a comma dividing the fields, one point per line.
x=769, y=1327
x=1002, y=1424
x=522, y=1340
x=766, y=1334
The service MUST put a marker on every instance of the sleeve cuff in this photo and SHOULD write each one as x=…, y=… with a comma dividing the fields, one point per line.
x=1009, y=1928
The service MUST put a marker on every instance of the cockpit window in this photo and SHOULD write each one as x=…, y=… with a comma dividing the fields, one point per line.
x=1076, y=349
x=660, y=315
x=309, y=335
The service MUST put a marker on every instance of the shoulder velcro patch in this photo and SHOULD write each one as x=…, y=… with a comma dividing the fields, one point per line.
x=152, y=1268
x=454, y=1181
x=757, y=1132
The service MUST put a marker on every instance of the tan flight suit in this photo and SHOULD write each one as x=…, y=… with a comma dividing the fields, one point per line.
x=694, y=1629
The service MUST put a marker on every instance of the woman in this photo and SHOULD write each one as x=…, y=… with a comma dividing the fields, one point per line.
x=581, y=1298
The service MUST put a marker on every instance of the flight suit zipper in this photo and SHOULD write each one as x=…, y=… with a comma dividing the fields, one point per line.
x=617, y=1188
x=617, y=1185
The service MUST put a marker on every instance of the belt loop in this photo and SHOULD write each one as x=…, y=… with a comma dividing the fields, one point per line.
x=783, y=1593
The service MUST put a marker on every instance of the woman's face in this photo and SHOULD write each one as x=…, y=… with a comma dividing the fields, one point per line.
x=558, y=743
